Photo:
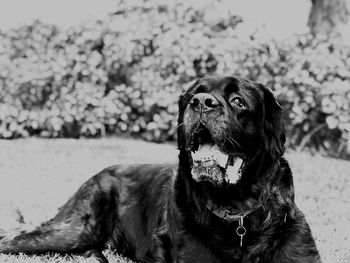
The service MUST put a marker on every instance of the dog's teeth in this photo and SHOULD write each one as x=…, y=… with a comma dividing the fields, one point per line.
x=232, y=172
x=221, y=159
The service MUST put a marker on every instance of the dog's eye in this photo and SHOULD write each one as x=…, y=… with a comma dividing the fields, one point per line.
x=238, y=102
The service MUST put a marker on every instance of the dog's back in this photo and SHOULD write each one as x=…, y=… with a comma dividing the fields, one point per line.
x=125, y=207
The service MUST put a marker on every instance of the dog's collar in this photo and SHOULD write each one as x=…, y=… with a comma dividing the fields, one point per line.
x=229, y=217
x=240, y=230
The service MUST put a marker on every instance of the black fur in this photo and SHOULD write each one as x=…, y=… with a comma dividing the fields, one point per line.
x=158, y=213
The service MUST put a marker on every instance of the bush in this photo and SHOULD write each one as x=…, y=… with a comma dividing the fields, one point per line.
x=122, y=75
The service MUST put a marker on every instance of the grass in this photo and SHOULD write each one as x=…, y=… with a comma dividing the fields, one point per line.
x=37, y=176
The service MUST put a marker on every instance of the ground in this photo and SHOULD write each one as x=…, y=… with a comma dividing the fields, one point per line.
x=37, y=176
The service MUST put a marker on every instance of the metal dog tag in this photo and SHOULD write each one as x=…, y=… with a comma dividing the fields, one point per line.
x=241, y=231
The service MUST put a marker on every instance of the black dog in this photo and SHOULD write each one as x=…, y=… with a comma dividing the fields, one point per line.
x=231, y=198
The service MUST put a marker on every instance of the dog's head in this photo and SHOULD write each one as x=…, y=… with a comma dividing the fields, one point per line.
x=226, y=121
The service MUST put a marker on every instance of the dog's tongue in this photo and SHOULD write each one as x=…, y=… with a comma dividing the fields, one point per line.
x=209, y=152
x=207, y=160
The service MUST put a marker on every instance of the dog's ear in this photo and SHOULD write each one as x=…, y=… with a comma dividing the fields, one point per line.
x=274, y=132
x=182, y=102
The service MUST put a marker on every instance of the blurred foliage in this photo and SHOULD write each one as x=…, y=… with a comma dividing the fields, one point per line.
x=122, y=75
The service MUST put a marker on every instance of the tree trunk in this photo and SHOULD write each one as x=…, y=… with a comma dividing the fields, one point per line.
x=327, y=16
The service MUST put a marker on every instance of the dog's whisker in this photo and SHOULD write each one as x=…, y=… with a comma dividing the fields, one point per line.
x=225, y=135
x=179, y=125
x=234, y=142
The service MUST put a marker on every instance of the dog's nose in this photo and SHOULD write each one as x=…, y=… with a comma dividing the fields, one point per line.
x=204, y=102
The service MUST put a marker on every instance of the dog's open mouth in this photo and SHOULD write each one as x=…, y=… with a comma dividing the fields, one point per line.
x=210, y=162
